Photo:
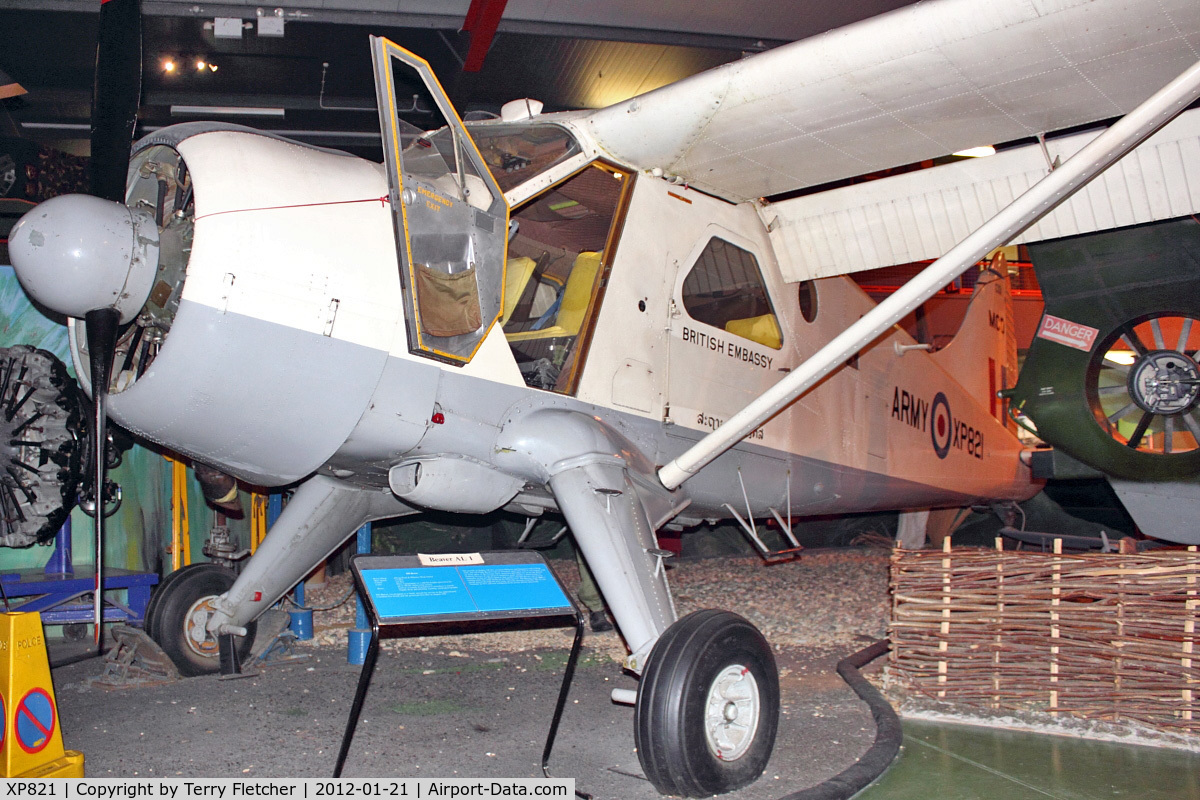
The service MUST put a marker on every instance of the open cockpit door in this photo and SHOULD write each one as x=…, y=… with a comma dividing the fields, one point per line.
x=450, y=216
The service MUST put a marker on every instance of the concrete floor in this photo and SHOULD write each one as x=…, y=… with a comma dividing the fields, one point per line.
x=964, y=762
x=486, y=714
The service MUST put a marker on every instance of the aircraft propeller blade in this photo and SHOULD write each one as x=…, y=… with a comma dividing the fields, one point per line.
x=116, y=94
x=102, y=325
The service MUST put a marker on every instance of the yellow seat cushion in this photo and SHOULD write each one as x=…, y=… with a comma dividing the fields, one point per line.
x=577, y=296
x=516, y=275
x=763, y=329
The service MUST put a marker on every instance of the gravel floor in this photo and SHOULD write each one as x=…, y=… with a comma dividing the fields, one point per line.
x=479, y=706
x=834, y=599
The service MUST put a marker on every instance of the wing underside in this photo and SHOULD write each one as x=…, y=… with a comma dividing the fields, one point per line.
x=917, y=83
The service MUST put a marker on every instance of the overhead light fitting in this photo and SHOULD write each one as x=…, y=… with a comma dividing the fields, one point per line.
x=977, y=152
x=171, y=66
x=1122, y=357
x=227, y=27
x=225, y=111
x=270, y=24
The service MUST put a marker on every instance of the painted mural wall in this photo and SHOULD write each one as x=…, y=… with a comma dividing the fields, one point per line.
x=139, y=534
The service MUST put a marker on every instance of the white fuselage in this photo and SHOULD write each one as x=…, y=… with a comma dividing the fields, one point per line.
x=292, y=288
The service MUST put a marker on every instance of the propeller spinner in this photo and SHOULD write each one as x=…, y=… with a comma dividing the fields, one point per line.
x=77, y=253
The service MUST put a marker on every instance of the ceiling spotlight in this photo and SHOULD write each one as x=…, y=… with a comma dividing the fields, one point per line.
x=977, y=152
x=1123, y=357
x=168, y=65
x=212, y=67
x=200, y=66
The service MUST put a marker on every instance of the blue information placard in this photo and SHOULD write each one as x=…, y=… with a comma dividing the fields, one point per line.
x=510, y=587
x=457, y=592
x=507, y=584
x=417, y=592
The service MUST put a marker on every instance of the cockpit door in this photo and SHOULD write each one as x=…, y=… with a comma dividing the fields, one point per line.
x=451, y=218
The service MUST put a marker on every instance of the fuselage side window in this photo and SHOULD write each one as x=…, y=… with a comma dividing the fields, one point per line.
x=725, y=289
x=807, y=296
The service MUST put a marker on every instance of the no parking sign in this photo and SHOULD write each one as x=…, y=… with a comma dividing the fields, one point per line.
x=34, y=720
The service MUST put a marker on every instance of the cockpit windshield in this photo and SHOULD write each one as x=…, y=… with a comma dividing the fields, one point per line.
x=517, y=152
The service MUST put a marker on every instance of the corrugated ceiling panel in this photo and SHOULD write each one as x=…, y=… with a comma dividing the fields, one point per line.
x=919, y=83
x=921, y=215
x=578, y=73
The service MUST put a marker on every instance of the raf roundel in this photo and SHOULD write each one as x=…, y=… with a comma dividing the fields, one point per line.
x=941, y=425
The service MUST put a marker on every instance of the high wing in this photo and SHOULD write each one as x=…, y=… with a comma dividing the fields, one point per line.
x=920, y=82
x=922, y=214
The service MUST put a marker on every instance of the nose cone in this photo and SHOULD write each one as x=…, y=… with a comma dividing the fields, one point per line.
x=77, y=253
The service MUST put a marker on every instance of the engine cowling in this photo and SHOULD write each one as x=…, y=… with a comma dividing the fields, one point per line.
x=274, y=307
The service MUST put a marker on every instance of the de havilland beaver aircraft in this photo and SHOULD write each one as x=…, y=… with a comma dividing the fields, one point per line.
x=586, y=313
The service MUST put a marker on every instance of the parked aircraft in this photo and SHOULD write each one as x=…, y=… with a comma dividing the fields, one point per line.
x=547, y=313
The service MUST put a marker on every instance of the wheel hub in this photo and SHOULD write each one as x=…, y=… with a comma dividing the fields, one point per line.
x=1164, y=382
x=199, y=640
x=732, y=712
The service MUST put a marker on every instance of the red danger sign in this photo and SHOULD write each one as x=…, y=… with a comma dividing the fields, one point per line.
x=1063, y=331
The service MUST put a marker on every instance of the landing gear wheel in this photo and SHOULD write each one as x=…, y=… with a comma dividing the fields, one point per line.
x=178, y=620
x=708, y=706
x=1144, y=383
x=149, y=624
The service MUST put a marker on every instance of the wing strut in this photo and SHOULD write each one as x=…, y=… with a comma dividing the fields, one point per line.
x=1101, y=153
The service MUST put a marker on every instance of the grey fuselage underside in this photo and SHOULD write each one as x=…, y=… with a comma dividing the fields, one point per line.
x=475, y=416
x=387, y=404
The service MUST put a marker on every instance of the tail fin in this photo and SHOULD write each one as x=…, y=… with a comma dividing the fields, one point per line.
x=983, y=354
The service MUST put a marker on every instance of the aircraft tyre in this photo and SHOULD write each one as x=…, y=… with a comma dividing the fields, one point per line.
x=161, y=589
x=179, y=611
x=707, y=706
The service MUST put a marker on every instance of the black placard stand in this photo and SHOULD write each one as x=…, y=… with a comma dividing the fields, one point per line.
x=396, y=610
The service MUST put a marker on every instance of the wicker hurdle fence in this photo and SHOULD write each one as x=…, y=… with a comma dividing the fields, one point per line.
x=1100, y=636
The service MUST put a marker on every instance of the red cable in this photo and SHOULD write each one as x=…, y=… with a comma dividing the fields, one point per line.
x=381, y=200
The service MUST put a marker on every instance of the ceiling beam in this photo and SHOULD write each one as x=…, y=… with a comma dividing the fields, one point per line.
x=483, y=18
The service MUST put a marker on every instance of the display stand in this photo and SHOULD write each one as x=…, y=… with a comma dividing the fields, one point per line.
x=459, y=593
x=55, y=591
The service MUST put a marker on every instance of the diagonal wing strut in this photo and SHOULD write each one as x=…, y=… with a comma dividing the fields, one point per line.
x=1101, y=153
